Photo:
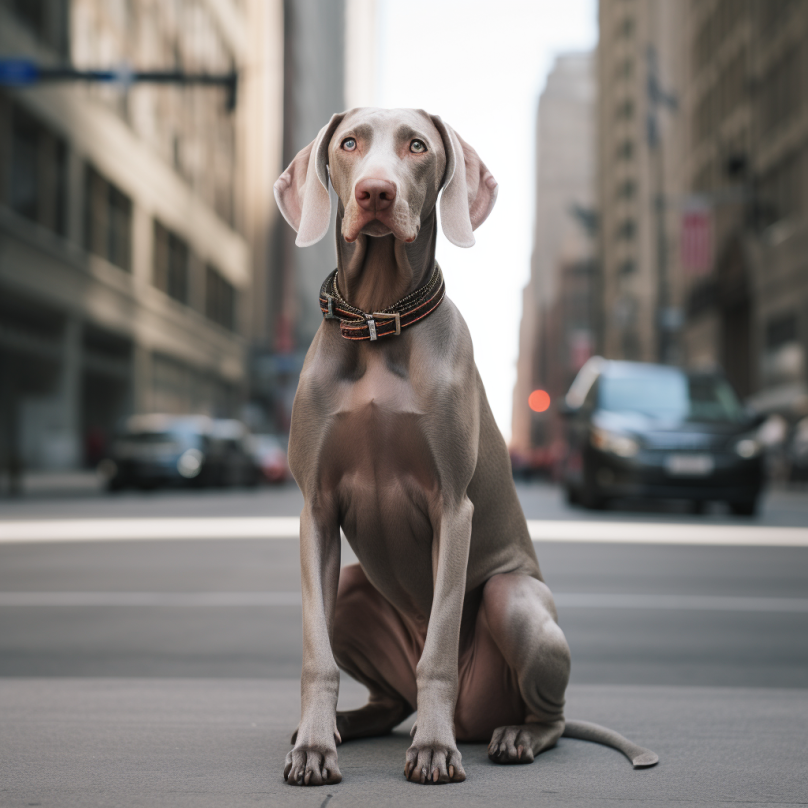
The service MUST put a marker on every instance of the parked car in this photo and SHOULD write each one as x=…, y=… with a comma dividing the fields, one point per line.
x=655, y=431
x=269, y=456
x=160, y=450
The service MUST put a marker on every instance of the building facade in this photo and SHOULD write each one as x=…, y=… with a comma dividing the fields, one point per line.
x=745, y=102
x=314, y=33
x=556, y=332
x=131, y=229
x=639, y=181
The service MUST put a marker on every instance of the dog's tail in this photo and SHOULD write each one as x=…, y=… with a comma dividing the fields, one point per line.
x=585, y=731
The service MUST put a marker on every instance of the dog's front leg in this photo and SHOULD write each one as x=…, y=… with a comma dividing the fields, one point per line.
x=433, y=756
x=313, y=760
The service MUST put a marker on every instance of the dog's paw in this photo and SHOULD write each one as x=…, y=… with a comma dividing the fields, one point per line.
x=309, y=766
x=511, y=745
x=433, y=763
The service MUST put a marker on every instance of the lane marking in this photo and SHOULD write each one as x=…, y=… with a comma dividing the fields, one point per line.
x=667, y=533
x=564, y=600
x=287, y=527
x=217, y=527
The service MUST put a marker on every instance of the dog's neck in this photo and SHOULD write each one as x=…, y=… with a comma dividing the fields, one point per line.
x=376, y=272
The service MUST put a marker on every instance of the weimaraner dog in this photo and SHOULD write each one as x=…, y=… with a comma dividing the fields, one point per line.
x=393, y=441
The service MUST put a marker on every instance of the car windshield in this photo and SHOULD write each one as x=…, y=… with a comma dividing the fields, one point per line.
x=178, y=436
x=671, y=395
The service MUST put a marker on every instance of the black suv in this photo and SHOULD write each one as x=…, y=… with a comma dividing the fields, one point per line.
x=655, y=431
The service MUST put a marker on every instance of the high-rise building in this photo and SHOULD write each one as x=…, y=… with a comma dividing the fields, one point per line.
x=639, y=58
x=745, y=106
x=313, y=90
x=556, y=333
x=133, y=218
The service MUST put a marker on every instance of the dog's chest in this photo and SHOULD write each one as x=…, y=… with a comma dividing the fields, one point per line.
x=378, y=461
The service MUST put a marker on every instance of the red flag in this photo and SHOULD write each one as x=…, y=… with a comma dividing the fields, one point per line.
x=696, y=247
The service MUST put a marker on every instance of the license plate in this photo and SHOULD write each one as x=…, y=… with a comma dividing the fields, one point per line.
x=692, y=465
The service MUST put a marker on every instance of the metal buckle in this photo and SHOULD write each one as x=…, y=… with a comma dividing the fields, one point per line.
x=329, y=315
x=395, y=315
x=371, y=327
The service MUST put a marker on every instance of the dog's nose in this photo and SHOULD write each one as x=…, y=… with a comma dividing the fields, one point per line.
x=375, y=195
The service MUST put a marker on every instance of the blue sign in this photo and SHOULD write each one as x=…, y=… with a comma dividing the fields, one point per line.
x=18, y=72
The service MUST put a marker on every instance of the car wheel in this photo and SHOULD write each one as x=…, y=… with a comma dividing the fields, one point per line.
x=746, y=508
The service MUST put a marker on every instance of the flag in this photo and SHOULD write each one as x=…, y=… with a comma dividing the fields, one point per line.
x=696, y=248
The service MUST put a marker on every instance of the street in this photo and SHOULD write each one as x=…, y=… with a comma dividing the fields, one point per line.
x=124, y=624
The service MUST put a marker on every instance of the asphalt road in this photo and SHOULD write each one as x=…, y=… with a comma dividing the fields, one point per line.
x=658, y=632
x=650, y=614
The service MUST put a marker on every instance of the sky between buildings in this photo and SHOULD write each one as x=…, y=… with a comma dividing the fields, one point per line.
x=481, y=66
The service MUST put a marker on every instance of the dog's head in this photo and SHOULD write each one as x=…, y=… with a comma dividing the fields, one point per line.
x=387, y=168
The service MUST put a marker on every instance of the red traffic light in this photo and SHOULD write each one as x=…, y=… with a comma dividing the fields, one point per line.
x=539, y=401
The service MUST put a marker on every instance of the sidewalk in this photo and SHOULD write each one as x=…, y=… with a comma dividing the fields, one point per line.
x=193, y=743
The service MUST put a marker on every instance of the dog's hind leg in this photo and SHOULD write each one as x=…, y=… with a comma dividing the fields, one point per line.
x=521, y=616
x=372, y=644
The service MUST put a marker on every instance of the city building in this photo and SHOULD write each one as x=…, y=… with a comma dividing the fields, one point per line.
x=558, y=303
x=313, y=90
x=134, y=218
x=639, y=178
x=745, y=105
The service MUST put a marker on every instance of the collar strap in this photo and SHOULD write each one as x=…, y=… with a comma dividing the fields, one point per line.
x=355, y=324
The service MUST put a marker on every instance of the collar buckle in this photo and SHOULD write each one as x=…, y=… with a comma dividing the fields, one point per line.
x=329, y=315
x=390, y=315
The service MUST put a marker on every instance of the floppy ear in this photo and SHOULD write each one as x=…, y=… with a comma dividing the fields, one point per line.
x=302, y=190
x=469, y=188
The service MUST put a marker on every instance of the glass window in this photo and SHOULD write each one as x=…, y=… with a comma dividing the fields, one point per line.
x=108, y=221
x=38, y=172
x=171, y=258
x=220, y=299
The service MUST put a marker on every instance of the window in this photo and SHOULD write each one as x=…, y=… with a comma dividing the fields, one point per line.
x=220, y=299
x=625, y=110
x=170, y=263
x=781, y=330
x=627, y=189
x=625, y=151
x=627, y=229
x=108, y=221
x=38, y=172
x=781, y=191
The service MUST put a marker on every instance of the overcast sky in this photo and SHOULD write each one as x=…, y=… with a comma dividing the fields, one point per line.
x=481, y=66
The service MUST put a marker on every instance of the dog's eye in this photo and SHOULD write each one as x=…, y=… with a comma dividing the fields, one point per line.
x=349, y=144
x=418, y=146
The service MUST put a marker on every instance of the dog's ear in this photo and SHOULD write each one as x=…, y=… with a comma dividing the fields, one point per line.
x=469, y=188
x=302, y=190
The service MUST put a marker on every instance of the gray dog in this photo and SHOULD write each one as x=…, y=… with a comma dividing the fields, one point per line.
x=393, y=441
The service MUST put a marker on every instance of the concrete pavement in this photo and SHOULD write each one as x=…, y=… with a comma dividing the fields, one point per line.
x=76, y=743
x=165, y=672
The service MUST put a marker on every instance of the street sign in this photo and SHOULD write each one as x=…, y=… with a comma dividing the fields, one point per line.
x=18, y=72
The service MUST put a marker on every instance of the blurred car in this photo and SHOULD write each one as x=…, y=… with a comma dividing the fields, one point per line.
x=798, y=451
x=269, y=456
x=655, y=431
x=161, y=450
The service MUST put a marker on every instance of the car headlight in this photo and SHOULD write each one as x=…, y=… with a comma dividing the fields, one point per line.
x=190, y=463
x=614, y=443
x=747, y=448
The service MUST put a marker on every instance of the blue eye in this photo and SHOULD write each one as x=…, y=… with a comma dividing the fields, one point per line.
x=418, y=147
x=349, y=144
